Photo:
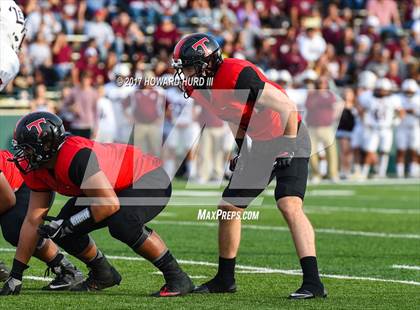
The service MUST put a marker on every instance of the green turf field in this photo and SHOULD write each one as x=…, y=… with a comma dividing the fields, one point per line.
x=368, y=239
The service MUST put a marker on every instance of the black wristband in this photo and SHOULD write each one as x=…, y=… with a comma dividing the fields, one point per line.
x=239, y=142
x=82, y=222
x=17, y=269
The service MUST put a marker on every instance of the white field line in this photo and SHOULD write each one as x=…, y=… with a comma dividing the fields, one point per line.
x=192, y=277
x=196, y=202
x=254, y=269
x=38, y=278
x=406, y=267
x=331, y=231
x=314, y=209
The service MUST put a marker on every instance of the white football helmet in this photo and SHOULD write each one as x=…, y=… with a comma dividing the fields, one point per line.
x=367, y=80
x=12, y=24
x=409, y=86
x=383, y=84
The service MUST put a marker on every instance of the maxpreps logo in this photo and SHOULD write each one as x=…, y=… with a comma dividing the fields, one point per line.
x=37, y=125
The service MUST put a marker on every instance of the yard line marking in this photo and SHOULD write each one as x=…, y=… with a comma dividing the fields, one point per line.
x=332, y=231
x=250, y=268
x=314, y=208
x=405, y=267
x=192, y=277
x=38, y=278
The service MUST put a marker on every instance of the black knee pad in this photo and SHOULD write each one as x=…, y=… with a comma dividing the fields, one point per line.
x=11, y=234
x=74, y=245
x=132, y=236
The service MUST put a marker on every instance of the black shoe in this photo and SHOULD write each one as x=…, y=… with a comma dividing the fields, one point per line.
x=179, y=286
x=215, y=286
x=101, y=275
x=67, y=276
x=308, y=292
x=4, y=272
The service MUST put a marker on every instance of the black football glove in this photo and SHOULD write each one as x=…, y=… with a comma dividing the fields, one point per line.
x=12, y=286
x=288, y=147
x=56, y=229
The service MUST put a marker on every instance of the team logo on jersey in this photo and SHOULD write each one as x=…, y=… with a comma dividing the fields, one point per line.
x=201, y=43
x=37, y=125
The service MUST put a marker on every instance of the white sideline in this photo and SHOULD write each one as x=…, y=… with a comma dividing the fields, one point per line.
x=406, y=267
x=332, y=231
x=250, y=269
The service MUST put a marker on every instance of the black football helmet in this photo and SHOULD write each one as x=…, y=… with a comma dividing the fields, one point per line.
x=199, y=51
x=37, y=137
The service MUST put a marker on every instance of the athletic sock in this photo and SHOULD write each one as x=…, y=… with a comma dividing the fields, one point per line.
x=226, y=271
x=414, y=170
x=56, y=260
x=168, y=265
x=310, y=273
x=365, y=170
x=383, y=165
x=400, y=170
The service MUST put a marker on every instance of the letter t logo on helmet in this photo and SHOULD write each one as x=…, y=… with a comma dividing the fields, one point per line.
x=202, y=44
x=37, y=124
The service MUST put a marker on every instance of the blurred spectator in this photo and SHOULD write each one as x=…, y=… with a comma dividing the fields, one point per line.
x=144, y=109
x=344, y=132
x=42, y=20
x=386, y=11
x=40, y=101
x=166, y=36
x=107, y=123
x=210, y=153
x=311, y=44
x=248, y=13
x=101, y=31
x=89, y=62
x=299, y=9
x=333, y=25
x=321, y=106
x=72, y=15
x=117, y=92
x=82, y=103
x=62, y=52
x=39, y=51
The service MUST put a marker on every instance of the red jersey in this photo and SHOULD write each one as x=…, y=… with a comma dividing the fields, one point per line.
x=10, y=171
x=230, y=105
x=122, y=164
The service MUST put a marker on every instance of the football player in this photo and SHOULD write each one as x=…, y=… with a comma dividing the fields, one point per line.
x=255, y=108
x=12, y=33
x=14, y=199
x=408, y=131
x=365, y=85
x=123, y=199
x=379, y=112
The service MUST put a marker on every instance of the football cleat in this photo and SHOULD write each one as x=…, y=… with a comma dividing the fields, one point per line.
x=101, y=276
x=305, y=293
x=12, y=286
x=67, y=277
x=215, y=286
x=179, y=286
x=4, y=272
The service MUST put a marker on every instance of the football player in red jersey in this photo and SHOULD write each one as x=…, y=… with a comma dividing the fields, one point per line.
x=259, y=109
x=111, y=185
x=14, y=200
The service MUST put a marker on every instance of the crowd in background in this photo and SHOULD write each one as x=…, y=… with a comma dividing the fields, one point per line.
x=359, y=52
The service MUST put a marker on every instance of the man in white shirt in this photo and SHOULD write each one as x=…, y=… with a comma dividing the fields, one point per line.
x=408, y=131
x=378, y=120
x=311, y=45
